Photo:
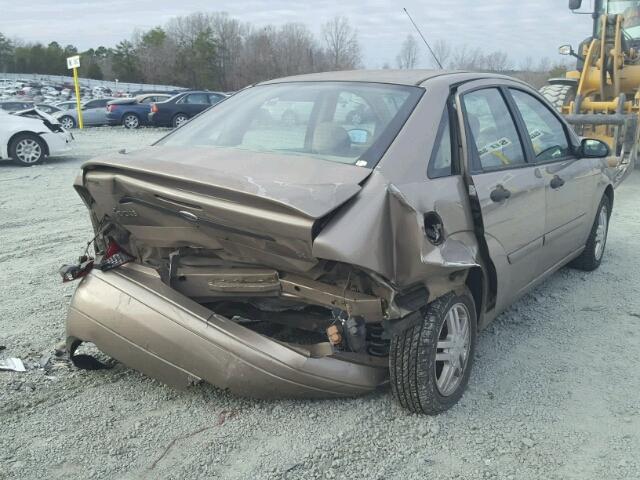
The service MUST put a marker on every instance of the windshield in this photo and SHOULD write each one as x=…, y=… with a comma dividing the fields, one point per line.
x=344, y=122
x=630, y=10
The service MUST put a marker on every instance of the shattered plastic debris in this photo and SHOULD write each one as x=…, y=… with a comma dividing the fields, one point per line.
x=13, y=364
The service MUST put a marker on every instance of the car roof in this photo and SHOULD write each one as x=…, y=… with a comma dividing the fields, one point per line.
x=398, y=77
x=395, y=77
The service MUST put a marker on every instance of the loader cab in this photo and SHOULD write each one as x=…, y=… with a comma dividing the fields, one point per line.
x=630, y=9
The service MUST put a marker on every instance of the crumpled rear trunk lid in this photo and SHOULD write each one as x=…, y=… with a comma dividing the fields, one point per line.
x=254, y=208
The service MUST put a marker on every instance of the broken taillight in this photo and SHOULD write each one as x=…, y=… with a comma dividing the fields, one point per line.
x=114, y=257
x=70, y=273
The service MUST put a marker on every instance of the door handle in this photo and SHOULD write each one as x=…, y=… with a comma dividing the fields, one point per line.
x=500, y=194
x=556, y=182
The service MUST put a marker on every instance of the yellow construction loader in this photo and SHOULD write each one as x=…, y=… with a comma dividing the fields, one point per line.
x=601, y=98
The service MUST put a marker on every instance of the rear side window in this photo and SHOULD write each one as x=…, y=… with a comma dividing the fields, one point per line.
x=493, y=130
x=197, y=98
x=546, y=132
x=97, y=103
x=441, y=161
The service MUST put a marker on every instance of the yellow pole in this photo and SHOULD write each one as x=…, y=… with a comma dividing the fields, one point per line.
x=78, y=105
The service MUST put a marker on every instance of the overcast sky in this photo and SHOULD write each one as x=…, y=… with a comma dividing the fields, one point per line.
x=520, y=28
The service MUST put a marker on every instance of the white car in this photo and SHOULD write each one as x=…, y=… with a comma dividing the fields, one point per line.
x=28, y=136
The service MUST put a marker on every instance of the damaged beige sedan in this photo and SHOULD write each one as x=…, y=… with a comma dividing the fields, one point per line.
x=326, y=235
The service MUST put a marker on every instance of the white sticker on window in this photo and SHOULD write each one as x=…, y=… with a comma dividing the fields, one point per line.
x=494, y=146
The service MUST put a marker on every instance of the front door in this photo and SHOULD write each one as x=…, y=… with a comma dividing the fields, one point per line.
x=568, y=179
x=507, y=190
x=95, y=112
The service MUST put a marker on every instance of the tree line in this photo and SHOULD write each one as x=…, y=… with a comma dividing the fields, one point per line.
x=463, y=57
x=218, y=52
x=201, y=50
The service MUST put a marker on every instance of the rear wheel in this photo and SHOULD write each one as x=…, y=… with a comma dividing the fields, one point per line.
x=591, y=257
x=559, y=95
x=179, y=120
x=430, y=363
x=27, y=149
x=131, y=121
x=67, y=122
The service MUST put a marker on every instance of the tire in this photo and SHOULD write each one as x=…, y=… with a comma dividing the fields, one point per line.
x=591, y=257
x=559, y=95
x=179, y=120
x=67, y=122
x=414, y=366
x=27, y=149
x=130, y=121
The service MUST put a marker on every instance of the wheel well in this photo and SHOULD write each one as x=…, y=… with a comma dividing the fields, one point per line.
x=130, y=113
x=31, y=134
x=609, y=193
x=475, y=284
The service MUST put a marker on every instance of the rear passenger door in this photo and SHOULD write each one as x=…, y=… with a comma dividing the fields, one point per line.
x=194, y=103
x=568, y=180
x=506, y=191
x=215, y=98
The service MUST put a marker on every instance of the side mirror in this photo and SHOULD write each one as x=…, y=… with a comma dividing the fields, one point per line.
x=565, y=50
x=592, y=148
x=575, y=4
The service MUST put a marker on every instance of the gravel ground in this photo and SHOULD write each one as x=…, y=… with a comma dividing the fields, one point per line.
x=553, y=395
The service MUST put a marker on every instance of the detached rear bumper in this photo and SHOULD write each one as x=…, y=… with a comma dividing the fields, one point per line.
x=150, y=327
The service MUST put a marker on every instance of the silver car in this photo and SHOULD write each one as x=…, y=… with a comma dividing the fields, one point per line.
x=332, y=255
x=94, y=113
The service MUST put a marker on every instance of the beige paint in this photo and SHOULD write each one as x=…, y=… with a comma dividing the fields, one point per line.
x=313, y=233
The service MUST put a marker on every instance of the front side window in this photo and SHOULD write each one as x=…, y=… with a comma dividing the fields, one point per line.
x=493, y=130
x=350, y=122
x=546, y=132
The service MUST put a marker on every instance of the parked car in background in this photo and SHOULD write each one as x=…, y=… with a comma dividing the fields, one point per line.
x=385, y=240
x=29, y=136
x=177, y=110
x=94, y=113
x=15, y=105
x=133, y=112
x=67, y=105
x=47, y=108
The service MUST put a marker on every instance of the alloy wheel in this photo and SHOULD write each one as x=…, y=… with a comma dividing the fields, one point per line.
x=67, y=123
x=28, y=151
x=453, y=348
x=601, y=232
x=131, y=121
